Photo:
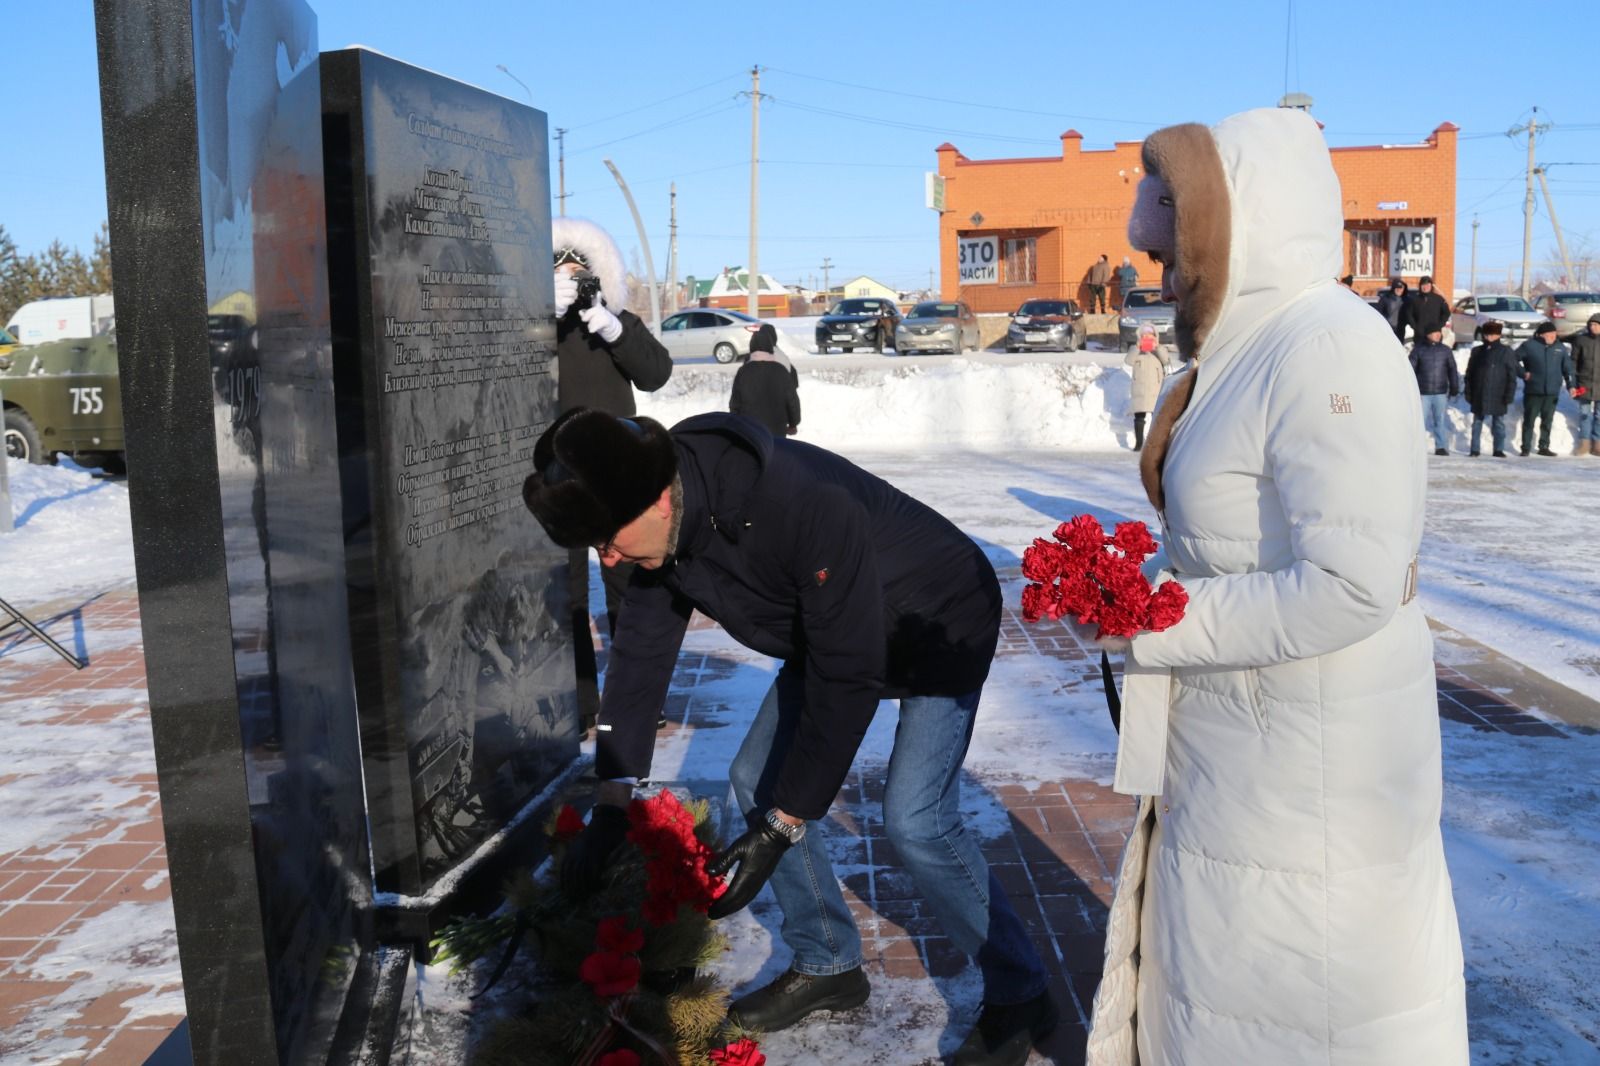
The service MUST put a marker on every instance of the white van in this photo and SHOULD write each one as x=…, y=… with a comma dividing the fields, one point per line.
x=62, y=318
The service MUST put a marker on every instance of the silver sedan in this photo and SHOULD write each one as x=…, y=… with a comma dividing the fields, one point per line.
x=935, y=325
x=722, y=334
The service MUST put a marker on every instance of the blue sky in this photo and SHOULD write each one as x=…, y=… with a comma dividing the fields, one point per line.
x=859, y=101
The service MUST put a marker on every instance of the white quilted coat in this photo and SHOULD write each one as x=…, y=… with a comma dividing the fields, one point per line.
x=1287, y=901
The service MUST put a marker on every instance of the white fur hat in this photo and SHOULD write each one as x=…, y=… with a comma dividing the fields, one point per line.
x=596, y=248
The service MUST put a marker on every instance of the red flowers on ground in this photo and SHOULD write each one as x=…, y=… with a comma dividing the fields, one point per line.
x=675, y=859
x=609, y=973
x=615, y=936
x=569, y=823
x=740, y=1053
x=1096, y=578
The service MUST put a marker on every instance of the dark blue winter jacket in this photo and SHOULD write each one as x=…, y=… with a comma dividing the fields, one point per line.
x=1547, y=368
x=1435, y=366
x=803, y=556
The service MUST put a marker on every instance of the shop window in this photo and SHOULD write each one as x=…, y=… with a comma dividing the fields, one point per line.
x=1018, y=262
x=1369, y=254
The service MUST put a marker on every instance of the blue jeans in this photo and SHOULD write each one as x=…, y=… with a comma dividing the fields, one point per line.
x=1589, y=421
x=1434, y=419
x=922, y=819
x=1497, y=431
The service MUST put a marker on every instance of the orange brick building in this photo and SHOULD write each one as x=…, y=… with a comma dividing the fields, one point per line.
x=1044, y=221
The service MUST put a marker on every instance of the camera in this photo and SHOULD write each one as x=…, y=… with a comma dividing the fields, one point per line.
x=588, y=289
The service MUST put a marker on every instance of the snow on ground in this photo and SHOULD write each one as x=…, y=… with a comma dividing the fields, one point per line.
x=71, y=538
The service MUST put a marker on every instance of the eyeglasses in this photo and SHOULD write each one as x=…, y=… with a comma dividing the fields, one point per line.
x=570, y=255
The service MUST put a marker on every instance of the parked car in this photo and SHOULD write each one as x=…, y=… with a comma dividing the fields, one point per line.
x=722, y=334
x=859, y=322
x=948, y=326
x=64, y=397
x=1512, y=312
x=1141, y=308
x=1570, y=311
x=1056, y=324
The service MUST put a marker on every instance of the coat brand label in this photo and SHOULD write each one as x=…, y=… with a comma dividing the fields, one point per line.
x=1339, y=405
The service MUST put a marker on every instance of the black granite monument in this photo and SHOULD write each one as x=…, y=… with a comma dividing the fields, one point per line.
x=444, y=345
x=348, y=622
x=212, y=118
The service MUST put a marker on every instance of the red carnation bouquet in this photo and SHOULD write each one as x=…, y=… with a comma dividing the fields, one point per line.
x=1097, y=578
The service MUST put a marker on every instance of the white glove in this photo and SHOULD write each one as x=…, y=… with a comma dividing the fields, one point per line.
x=599, y=320
x=566, y=292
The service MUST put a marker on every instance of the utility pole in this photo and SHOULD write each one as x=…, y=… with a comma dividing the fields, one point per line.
x=1531, y=128
x=1561, y=242
x=755, y=189
x=827, y=265
x=1473, y=284
x=561, y=165
x=672, y=248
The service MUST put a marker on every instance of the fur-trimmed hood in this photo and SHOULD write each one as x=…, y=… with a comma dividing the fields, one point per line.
x=1259, y=221
x=599, y=250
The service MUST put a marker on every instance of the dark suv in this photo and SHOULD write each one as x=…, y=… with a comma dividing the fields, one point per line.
x=859, y=322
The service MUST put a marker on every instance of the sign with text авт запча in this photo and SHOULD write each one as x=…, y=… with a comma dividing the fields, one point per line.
x=1410, y=250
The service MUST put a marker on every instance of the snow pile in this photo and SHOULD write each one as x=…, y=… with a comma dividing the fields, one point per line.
x=956, y=404
x=72, y=534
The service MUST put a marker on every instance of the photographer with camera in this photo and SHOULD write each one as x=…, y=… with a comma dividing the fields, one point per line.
x=603, y=353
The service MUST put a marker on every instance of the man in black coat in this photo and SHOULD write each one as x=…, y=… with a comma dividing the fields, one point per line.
x=863, y=594
x=603, y=353
x=1586, y=387
x=766, y=389
x=1547, y=371
x=1425, y=311
x=1391, y=305
x=1491, y=385
x=1439, y=382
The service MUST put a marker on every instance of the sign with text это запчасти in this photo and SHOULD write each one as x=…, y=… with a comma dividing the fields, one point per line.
x=979, y=260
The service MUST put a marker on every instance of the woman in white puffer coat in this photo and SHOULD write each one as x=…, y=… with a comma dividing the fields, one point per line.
x=1284, y=899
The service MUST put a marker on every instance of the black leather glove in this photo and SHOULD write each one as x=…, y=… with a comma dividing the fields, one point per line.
x=592, y=849
x=757, y=853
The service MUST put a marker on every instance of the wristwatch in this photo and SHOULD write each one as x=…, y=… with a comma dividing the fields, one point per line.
x=791, y=833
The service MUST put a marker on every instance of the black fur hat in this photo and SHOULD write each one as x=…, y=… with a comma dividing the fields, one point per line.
x=594, y=473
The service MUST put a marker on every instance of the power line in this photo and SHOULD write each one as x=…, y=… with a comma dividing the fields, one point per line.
x=655, y=103
x=699, y=113
x=969, y=103
x=943, y=131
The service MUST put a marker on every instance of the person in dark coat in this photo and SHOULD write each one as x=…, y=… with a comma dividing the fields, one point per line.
x=1391, y=304
x=1586, y=387
x=1425, y=311
x=1098, y=278
x=1439, y=382
x=1127, y=280
x=1547, y=371
x=863, y=594
x=1491, y=385
x=765, y=389
x=603, y=353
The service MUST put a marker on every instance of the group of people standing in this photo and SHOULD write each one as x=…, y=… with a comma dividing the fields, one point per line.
x=1543, y=365
x=1099, y=278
